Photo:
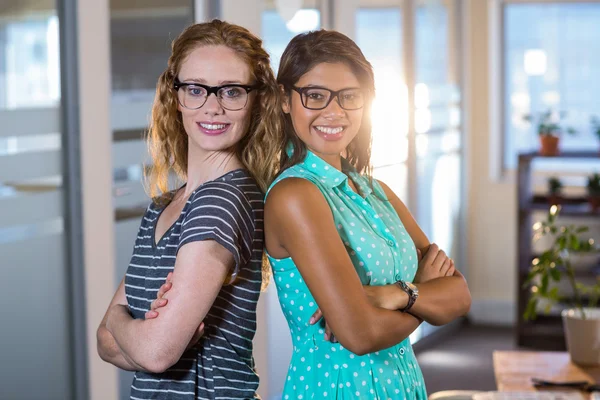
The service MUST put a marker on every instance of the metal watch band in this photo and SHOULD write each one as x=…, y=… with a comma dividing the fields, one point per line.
x=410, y=293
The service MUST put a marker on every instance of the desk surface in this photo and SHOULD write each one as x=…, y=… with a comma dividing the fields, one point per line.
x=514, y=369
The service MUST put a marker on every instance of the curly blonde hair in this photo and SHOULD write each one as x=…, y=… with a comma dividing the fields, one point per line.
x=167, y=140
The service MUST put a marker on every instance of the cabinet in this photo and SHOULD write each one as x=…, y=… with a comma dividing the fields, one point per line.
x=546, y=331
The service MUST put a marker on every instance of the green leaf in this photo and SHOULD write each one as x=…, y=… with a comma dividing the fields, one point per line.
x=582, y=229
x=574, y=242
x=561, y=242
x=555, y=273
x=530, y=311
x=544, y=285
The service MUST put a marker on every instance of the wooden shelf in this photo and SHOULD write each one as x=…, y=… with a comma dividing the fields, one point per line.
x=563, y=154
x=569, y=206
x=545, y=333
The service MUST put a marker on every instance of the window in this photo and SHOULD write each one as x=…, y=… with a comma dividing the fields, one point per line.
x=277, y=33
x=390, y=108
x=551, y=62
x=29, y=62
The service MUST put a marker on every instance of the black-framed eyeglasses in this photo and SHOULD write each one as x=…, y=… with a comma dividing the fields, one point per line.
x=232, y=97
x=318, y=98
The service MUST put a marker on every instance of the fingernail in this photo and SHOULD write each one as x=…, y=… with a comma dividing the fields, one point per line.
x=312, y=320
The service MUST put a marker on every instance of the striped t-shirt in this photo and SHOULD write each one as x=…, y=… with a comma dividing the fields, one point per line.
x=228, y=210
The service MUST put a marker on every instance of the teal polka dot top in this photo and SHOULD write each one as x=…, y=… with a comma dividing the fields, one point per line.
x=382, y=252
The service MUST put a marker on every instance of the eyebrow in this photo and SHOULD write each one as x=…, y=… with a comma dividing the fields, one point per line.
x=326, y=88
x=202, y=81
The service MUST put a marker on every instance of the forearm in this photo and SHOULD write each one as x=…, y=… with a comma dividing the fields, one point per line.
x=442, y=300
x=110, y=352
x=380, y=330
x=136, y=342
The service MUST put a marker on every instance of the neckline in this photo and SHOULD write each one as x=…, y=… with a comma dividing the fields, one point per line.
x=156, y=243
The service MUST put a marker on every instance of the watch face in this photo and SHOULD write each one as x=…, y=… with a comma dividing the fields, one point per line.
x=412, y=287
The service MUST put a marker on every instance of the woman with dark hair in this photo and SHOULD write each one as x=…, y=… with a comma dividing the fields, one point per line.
x=215, y=126
x=342, y=245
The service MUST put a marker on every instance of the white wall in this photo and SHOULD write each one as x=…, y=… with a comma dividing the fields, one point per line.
x=492, y=211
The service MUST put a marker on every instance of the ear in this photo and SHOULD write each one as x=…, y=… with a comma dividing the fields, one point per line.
x=285, y=100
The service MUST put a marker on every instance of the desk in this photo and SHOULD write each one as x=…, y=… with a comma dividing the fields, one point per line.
x=514, y=369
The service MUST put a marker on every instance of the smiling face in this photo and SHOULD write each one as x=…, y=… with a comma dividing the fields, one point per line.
x=325, y=132
x=211, y=127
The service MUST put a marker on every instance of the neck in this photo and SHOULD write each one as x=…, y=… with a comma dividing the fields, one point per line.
x=204, y=166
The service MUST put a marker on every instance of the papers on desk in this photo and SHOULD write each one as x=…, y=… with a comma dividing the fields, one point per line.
x=545, y=395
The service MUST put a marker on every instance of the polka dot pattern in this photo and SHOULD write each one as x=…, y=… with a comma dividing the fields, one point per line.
x=382, y=253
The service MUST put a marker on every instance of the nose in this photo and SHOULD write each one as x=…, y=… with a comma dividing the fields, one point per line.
x=212, y=105
x=333, y=109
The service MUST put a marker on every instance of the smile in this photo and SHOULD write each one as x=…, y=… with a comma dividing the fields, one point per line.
x=213, y=126
x=213, y=129
x=330, y=131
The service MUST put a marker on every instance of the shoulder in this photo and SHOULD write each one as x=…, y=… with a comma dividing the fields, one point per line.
x=236, y=193
x=394, y=200
x=295, y=197
x=294, y=189
x=385, y=189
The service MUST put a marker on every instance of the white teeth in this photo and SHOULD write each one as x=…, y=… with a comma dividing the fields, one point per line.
x=213, y=126
x=329, y=131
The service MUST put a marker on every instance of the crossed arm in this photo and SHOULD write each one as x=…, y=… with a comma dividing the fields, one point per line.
x=299, y=223
x=443, y=296
x=154, y=345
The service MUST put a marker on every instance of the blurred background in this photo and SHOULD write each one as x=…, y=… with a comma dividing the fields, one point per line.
x=455, y=80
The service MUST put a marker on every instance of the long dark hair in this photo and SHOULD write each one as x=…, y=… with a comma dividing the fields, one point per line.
x=302, y=54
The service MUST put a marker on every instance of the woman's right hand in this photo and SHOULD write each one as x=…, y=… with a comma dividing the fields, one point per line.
x=434, y=264
x=160, y=301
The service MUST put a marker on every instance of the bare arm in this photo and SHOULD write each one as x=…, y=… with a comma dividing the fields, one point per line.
x=299, y=223
x=107, y=347
x=440, y=300
x=156, y=344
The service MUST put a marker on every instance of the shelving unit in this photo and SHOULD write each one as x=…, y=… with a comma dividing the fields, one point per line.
x=546, y=331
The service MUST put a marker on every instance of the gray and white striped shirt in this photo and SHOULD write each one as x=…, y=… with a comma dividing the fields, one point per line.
x=228, y=210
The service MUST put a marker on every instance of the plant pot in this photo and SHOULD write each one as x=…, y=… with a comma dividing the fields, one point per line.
x=549, y=145
x=583, y=336
x=594, y=200
x=554, y=198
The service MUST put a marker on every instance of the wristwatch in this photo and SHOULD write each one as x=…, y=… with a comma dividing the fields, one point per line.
x=411, y=290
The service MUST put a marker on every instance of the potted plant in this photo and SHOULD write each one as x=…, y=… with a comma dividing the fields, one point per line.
x=549, y=130
x=554, y=190
x=593, y=189
x=581, y=322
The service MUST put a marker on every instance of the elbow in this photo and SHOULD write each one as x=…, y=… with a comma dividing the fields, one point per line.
x=158, y=362
x=101, y=346
x=359, y=341
x=466, y=302
x=462, y=306
x=357, y=347
x=160, y=357
x=465, y=299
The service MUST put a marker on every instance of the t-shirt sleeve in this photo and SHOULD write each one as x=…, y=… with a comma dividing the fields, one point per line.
x=221, y=212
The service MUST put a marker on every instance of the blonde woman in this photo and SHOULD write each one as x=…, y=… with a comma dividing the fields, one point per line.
x=215, y=124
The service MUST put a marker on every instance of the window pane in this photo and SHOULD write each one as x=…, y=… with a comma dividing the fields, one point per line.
x=35, y=325
x=552, y=62
x=438, y=124
x=29, y=61
x=277, y=33
x=390, y=115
